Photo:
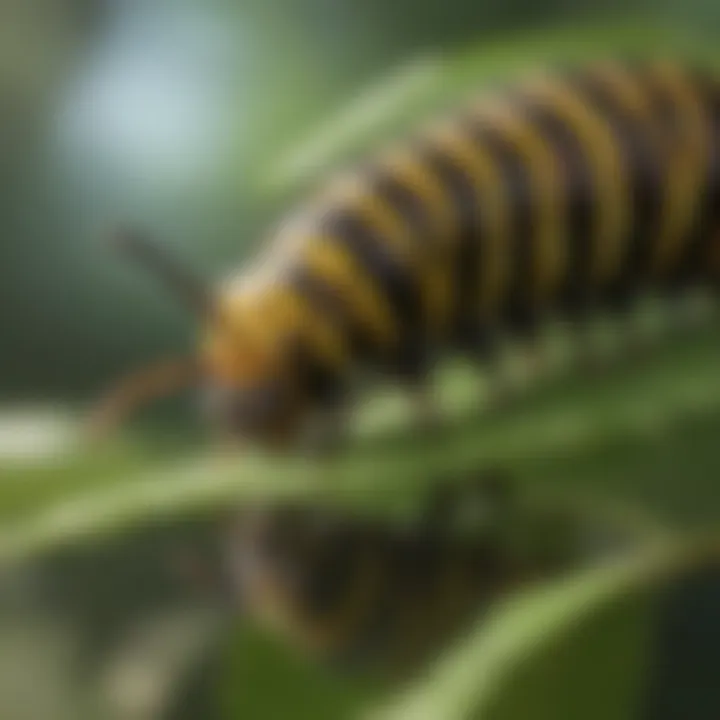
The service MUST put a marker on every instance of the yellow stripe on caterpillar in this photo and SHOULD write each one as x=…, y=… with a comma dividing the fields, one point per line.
x=547, y=193
x=612, y=206
x=356, y=193
x=688, y=158
x=287, y=315
x=406, y=167
x=495, y=260
x=330, y=261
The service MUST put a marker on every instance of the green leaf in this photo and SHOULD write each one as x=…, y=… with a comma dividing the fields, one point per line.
x=578, y=648
x=648, y=433
x=429, y=84
x=257, y=667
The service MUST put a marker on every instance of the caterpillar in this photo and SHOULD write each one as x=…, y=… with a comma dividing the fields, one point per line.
x=560, y=195
x=365, y=595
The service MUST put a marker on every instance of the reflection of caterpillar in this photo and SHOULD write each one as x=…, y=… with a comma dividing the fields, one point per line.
x=570, y=192
x=363, y=593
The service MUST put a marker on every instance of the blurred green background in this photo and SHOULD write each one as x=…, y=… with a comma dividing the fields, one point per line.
x=198, y=119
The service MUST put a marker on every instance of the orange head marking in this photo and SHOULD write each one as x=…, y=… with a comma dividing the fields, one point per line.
x=250, y=383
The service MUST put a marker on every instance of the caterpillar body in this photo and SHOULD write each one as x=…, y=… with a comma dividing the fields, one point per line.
x=569, y=192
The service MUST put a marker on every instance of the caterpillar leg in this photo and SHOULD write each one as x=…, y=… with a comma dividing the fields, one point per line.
x=644, y=328
x=604, y=339
x=483, y=345
x=581, y=318
x=590, y=354
x=533, y=360
x=530, y=360
x=515, y=366
x=328, y=431
x=426, y=410
x=413, y=371
x=501, y=385
x=690, y=311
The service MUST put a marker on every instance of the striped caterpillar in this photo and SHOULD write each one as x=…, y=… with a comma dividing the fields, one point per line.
x=568, y=193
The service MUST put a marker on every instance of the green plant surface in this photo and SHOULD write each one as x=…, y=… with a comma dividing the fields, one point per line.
x=644, y=431
x=435, y=82
x=256, y=667
x=575, y=648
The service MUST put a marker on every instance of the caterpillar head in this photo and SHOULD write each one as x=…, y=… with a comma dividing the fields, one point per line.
x=247, y=386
